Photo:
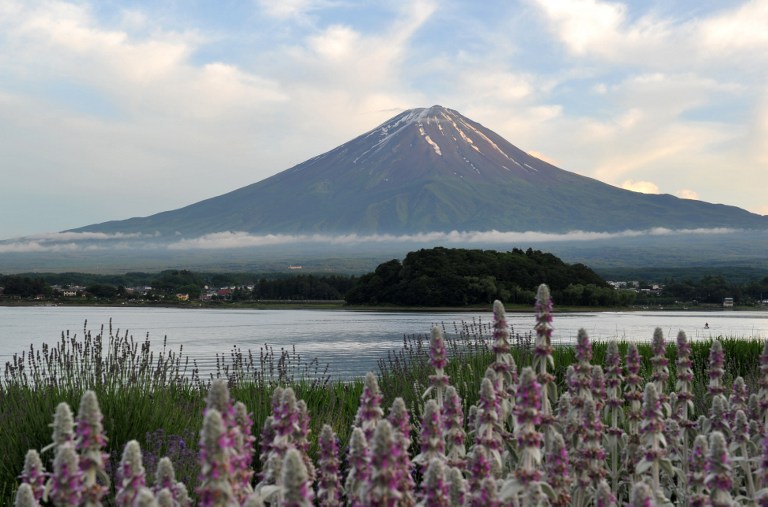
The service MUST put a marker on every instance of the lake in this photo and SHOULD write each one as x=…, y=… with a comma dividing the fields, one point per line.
x=351, y=342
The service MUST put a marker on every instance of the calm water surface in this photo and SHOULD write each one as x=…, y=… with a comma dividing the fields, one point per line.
x=351, y=342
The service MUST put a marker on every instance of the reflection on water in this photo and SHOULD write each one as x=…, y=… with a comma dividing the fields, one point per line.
x=351, y=342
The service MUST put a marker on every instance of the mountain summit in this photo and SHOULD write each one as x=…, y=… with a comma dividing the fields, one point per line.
x=431, y=169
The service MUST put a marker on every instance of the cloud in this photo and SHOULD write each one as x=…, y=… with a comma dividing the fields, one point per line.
x=645, y=187
x=226, y=240
x=82, y=242
x=686, y=193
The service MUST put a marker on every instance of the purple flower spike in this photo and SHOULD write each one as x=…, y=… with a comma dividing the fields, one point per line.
x=25, y=497
x=242, y=456
x=453, y=423
x=358, y=467
x=297, y=487
x=716, y=368
x=457, y=487
x=66, y=484
x=719, y=472
x=634, y=393
x=369, y=412
x=401, y=427
x=34, y=474
x=438, y=356
x=697, y=471
x=432, y=439
x=436, y=493
x=543, y=310
x=90, y=444
x=131, y=477
x=557, y=472
x=603, y=496
x=215, y=462
x=583, y=347
x=382, y=485
x=439, y=359
x=485, y=495
x=641, y=496
x=165, y=478
x=529, y=398
x=63, y=425
x=328, y=483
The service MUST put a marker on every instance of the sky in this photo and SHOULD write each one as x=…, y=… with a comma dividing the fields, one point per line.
x=114, y=109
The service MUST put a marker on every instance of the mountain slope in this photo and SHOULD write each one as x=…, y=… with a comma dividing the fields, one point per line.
x=431, y=170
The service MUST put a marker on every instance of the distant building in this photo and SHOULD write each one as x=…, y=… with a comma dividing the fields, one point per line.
x=728, y=303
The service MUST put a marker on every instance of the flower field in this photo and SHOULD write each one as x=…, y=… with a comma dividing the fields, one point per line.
x=486, y=419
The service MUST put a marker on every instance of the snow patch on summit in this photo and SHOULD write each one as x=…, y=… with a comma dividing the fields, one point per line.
x=429, y=140
x=434, y=145
x=486, y=139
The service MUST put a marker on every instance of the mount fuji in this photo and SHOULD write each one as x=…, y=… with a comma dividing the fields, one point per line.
x=429, y=170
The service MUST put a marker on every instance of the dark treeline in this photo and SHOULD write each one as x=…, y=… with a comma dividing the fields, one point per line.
x=458, y=277
x=245, y=286
x=712, y=289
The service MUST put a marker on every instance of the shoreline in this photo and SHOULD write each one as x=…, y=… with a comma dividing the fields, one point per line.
x=339, y=306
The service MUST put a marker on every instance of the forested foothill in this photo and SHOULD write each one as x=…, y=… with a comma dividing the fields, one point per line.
x=458, y=277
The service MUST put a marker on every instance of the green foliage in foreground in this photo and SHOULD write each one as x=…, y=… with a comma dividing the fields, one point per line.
x=157, y=399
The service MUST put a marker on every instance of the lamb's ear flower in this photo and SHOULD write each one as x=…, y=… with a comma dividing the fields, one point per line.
x=556, y=468
x=244, y=445
x=604, y=496
x=486, y=495
x=438, y=356
x=401, y=425
x=479, y=467
x=432, y=439
x=634, y=390
x=457, y=487
x=145, y=498
x=697, y=471
x=359, y=468
x=719, y=472
x=660, y=363
x=583, y=346
x=218, y=397
x=297, y=490
x=382, y=485
x=215, y=464
x=65, y=487
x=165, y=478
x=718, y=415
x=369, y=412
x=453, y=422
x=25, y=497
x=131, y=476
x=63, y=426
x=164, y=498
x=90, y=444
x=301, y=438
x=716, y=368
x=435, y=487
x=487, y=427
x=34, y=474
x=641, y=496
x=328, y=483
x=529, y=440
